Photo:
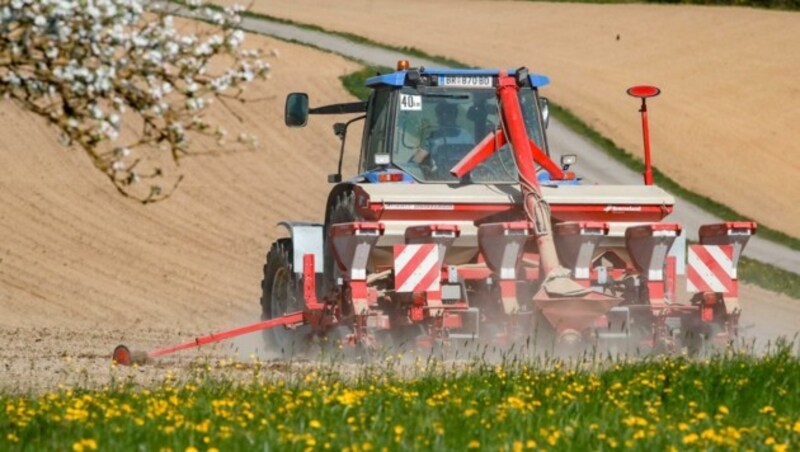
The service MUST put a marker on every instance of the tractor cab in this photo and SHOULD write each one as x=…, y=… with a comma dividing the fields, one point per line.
x=420, y=123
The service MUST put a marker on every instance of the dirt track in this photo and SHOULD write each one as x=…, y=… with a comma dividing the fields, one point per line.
x=723, y=125
x=82, y=269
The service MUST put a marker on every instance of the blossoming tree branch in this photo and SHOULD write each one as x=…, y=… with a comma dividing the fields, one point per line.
x=120, y=80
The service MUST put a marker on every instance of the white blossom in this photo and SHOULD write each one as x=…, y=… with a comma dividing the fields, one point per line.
x=87, y=65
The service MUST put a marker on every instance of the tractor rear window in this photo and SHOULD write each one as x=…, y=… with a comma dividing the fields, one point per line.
x=437, y=126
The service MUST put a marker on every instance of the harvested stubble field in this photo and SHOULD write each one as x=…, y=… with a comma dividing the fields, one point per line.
x=82, y=270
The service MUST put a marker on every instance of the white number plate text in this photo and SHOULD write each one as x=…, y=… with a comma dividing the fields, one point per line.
x=470, y=81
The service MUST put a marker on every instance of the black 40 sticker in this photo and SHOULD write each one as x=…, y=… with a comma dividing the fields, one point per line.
x=410, y=102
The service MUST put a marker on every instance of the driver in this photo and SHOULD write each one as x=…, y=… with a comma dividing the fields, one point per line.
x=447, y=132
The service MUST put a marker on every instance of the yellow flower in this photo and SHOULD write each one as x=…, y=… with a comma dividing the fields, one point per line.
x=12, y=438
x=191, y=449
x=474, y=444
x=796, y=428
x=767, y=410
x=314, y=423
x=683, y=426
x=84, y=444
x=723, y=409
x=780, y=447
x=634, y=420
x=398, y=430
x=530, y=444
x=516, y=402
x=690, y=438
x=470, y=412
x=769, y=441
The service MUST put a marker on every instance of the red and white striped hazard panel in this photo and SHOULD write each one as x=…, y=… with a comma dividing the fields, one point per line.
x=710, y=269
x=416, y=268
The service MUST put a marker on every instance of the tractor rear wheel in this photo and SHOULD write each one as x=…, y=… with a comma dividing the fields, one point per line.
x=280, y=294
x=343, y=210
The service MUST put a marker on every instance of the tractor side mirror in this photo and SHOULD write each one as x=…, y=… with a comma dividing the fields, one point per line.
x=296, y=111
x=568, y=160
x=544, y=105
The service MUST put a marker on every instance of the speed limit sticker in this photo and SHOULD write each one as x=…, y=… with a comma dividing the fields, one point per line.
x=410, y=102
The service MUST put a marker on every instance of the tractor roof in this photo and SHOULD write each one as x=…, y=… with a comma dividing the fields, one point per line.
x=398, y=78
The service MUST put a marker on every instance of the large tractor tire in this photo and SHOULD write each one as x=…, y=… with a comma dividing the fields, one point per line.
x=281, y=294
x=343, y=210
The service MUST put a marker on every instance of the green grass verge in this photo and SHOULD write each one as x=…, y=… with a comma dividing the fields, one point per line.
x=354, y=82
x=733, y=402
x=769, y=277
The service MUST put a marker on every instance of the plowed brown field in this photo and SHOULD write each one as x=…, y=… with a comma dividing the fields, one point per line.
x=81, y=264
x=82, y=269
x=724, y=125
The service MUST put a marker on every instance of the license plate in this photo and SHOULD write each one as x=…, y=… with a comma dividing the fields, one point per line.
x=468, y=81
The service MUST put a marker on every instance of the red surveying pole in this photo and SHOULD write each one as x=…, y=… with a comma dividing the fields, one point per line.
x=643, y=92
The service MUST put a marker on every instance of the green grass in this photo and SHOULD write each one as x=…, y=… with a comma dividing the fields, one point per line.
x=769, y=277
x=725, y=403
x=355, y=81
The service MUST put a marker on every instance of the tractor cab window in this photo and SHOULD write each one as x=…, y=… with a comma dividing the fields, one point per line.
x=437, y=126
x=375, y=130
